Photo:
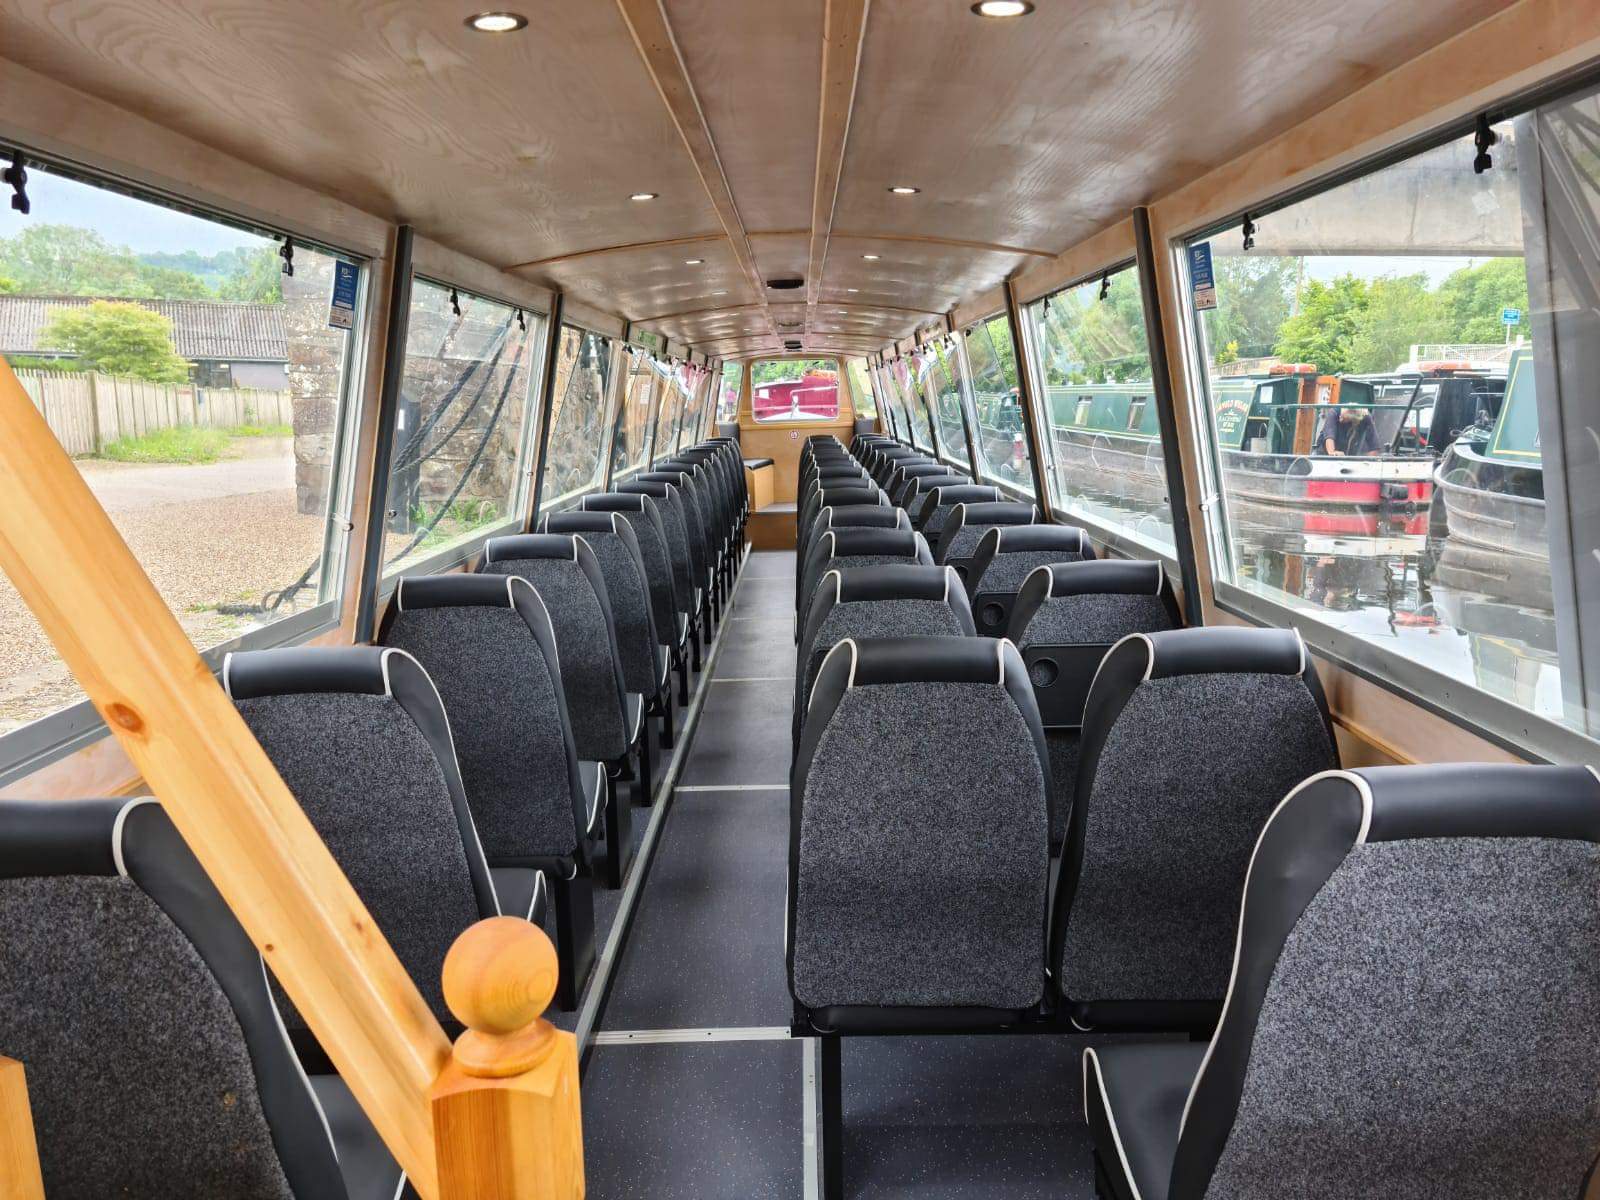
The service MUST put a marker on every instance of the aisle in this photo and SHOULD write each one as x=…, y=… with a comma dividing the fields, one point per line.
x=694, y=1088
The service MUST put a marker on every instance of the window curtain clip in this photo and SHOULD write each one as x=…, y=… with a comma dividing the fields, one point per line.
x=286, y=252
x=1483, y=139
x=16, y=175
x=522, y=323
x=1249, y=233
x=1105, y=286
x=455, y=302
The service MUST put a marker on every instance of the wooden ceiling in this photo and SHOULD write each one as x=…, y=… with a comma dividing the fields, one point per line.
x=771, y=130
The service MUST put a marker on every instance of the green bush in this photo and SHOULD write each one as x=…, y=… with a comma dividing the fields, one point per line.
x=183, y=444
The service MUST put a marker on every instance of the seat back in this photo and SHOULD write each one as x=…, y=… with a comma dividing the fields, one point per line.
x=855, y=548
x=842, y=497
x=918, y=825
x=1413, y=1009
x=1005, y=557
x=361, y=738
x=876, y=602
x=488, y=644
x=900, y=486
x=692, y=488
x=645, y=513
x=672, y=508
x=141, y=1012
x=853, y=516
x=1190, y=739
x=930, y=509
x=567, y=576
x=958, y=540
x=617, y=551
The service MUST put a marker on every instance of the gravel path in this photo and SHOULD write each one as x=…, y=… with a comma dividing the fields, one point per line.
x=207, y=535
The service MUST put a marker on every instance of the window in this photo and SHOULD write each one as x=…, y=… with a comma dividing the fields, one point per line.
x=941, y=384
x=692, y=379
x=1002, y=438
x=206, y=397
x=1102, y=441
x=464, y=429
x=916, y=415
x=866, y=405
x=888, y=411
x=795, y=390
x=572, y=464
x=668, y=412
x=728, y=393
x=630, y=439
x=1398, y=389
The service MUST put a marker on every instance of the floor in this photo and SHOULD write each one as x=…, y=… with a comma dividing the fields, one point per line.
x=693, y=1087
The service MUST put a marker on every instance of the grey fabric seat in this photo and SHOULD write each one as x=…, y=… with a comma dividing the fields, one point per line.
x=1005, y=557
x=913, y=493
x=360, y=736
x=918, y=853
x=671, y=506
x=643, y=506
x=930, y=509
x=843, y=497
x=876, y=602
x=487, y=643
x=703, y=555
x=142, y=1014
x=607, y=719
x=884, y=461
x=901, y=486
x=856, y=516
x=1190, y=738
x=1406, y=1016
x=967, y=523
x=1067, y=617
x=854, y=548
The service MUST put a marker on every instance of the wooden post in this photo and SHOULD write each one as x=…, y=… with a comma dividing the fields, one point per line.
x=506, y=1114
x=118, y=637
x=20, y=1178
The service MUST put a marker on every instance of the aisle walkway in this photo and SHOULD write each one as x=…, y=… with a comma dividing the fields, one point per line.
x=694, y=1089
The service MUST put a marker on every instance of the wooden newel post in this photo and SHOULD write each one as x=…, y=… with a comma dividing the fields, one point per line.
x=20, y=1178
x=507, y=1122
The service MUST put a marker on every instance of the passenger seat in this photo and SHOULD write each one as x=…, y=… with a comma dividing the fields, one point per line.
x=958, y=540
x=1005, y=557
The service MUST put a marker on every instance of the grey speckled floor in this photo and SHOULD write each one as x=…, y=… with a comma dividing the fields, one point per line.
x=925, y=1118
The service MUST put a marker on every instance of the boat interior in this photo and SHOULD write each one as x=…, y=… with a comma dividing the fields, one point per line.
x=840, y=598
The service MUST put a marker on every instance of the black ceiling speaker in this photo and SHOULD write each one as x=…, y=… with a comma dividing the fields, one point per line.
x=786, y=284
x=793, y=344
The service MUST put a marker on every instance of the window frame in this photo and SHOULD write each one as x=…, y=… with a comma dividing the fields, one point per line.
x=60, y=734
x=615, y=347
x=1010, y=489
x=1494, y=719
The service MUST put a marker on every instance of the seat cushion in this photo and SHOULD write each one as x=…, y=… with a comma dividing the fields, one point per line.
x=1133, y=1098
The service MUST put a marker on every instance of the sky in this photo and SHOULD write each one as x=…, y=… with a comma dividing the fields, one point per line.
x=121, y=220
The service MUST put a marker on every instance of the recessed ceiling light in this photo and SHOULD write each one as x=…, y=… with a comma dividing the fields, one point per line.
x=870, y=257
x=693, y=262
x=902, y=190
x=841, y=312
x=497, y=22
x=1003, y=8
x=723, y=292
x=644, y=196
x=852, y=291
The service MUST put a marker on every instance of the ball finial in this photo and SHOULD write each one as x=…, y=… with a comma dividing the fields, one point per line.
x=499, y=978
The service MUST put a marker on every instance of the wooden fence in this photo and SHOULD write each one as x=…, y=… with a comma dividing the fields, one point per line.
x=86, y=410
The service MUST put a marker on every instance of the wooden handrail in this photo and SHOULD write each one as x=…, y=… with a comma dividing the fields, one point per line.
x=20, y=1178
x=122, y=643
x=506, y=1113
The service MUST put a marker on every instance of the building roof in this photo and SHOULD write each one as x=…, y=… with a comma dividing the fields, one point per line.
x=214, y=330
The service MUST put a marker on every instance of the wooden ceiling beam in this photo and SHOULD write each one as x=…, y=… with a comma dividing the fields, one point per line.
x=844, y=31
x=620, y=248
x=652, y=34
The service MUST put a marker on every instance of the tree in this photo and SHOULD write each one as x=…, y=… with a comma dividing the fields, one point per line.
x=1471, y=300
x=1322, y=332
x=119, y=339
x=256, y=276
x=67, y=260
x=1255, y=296
x=1398, y=313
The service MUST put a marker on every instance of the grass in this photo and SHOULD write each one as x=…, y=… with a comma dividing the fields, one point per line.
x=252, y=431
x=181, y=444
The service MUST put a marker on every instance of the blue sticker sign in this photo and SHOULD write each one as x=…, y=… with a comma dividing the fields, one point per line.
x=1201, y=278
x=342, y=306
x=1511, y=316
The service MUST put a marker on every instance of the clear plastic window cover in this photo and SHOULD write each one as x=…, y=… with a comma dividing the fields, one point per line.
x=464, y=427
x=176, y=358
x=573, y=464
x=1101, y=435
x=1397, y=402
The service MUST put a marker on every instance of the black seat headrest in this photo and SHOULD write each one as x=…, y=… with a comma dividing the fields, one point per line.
x=878, y=661
x=997, y=513
x=965, y=493
x=517, y=546
x=856, y=542
x=1028, y=539
x=59, y=837
x=582, y=522
x=296, y=670
x=617, y=501
x=892, y=581
x=1106, y=576
x=456, y=590
x=1219, y=649
x=1481, y=800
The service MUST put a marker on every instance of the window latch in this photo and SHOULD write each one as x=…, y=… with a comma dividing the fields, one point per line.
x=286, y=252
x=1483, y=139
x=17, y=176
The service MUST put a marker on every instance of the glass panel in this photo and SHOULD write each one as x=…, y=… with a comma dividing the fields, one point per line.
x=630, y=442
x=464, y=426
x=728, y=394
x=795, y=390
x=911, y=402
x=577, y=422
x=941, y=384
x=866, y=405
x=1400, y=383
x=668, y=412
x=691, y=378
x=203, y=394
x=1104, y=440
x=888, y=411
x=1002, y=438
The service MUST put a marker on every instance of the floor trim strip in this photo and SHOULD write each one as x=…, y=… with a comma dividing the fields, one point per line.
x=599, y=989
x=664, y=1037
x=756, y=679
x=734, y=787
x=810, y=1148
